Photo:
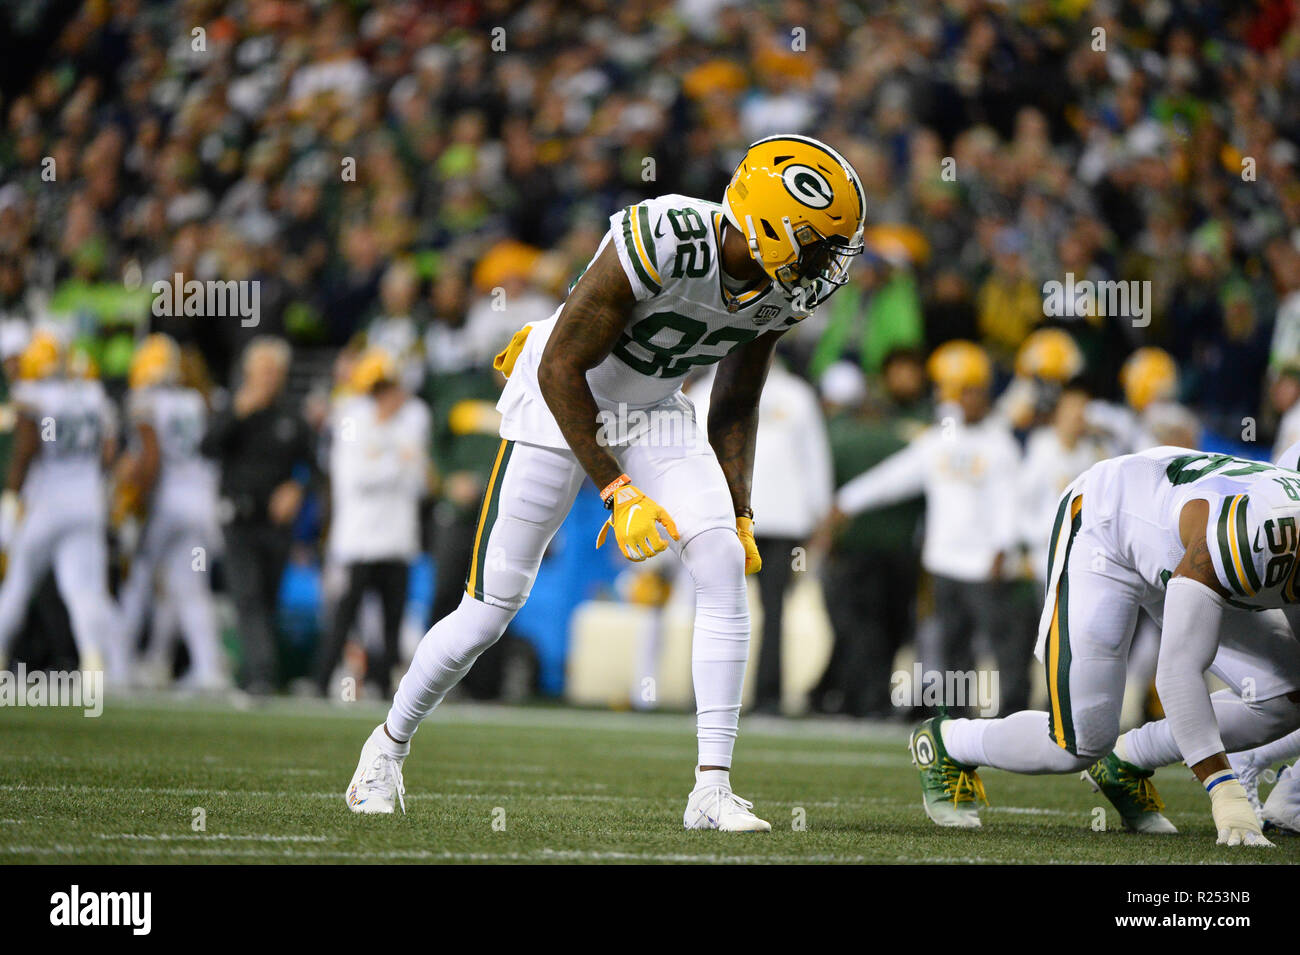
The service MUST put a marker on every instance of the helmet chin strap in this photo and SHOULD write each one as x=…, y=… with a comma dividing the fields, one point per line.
x=753, y=240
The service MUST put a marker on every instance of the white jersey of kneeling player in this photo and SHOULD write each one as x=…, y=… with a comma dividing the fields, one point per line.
x=1129, y=544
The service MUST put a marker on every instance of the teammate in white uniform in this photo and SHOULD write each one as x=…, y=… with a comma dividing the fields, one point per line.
x=52, y=513
x=178, y=489
x=1124, y=775
x=595, y=391
x=1203, y=543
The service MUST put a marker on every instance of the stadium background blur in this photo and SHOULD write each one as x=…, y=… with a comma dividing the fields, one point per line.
x=1000, y=148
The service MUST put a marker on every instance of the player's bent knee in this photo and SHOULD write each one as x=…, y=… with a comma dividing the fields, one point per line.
x=715, y=558
x=1280, y=714
x=1097, y=729
x=478, y=625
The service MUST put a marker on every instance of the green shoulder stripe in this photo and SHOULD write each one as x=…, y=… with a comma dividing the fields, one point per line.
x=647, y=237
x=1225, y=548
x=1243, y=545
x=634, y=256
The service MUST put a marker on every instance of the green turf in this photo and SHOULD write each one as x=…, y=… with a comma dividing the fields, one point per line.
x=570, y=786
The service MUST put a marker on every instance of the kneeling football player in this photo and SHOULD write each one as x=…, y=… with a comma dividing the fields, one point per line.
x=1198, y=541
x=677, y=283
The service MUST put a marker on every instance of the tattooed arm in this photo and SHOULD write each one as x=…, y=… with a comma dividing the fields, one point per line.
x=1197, y=563
x=733, y=412
x=593, y=317
x=1194, y=605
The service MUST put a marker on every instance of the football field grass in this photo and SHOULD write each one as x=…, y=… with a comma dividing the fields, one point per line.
x=521, y=784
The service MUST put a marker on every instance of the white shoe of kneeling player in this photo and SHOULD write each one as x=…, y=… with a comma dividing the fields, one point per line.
x=1282, y=807
x=377, y=783
x=712, y=805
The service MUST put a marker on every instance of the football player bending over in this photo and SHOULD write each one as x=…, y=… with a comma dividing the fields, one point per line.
x=677, y=283
x=1201, y=542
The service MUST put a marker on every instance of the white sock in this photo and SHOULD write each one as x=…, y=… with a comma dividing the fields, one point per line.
x=1019, y=743
x=444, y=655
x=390, y=746
x=1242, y=726
x=720, y=646
x=704, y=778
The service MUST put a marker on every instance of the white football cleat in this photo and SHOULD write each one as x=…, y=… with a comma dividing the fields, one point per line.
x=1282, y=807
x=377, y=783
x=717, y=807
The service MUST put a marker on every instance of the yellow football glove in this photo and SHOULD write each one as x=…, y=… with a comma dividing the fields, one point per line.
x=753, y=561
x=634, y=520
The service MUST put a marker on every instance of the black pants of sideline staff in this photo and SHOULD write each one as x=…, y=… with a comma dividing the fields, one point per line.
x=388, y=579
x=773, y=582
x=255, y=559
x=871, y=600
x=998, y=609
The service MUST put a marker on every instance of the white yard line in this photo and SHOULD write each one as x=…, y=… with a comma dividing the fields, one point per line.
x=541, y=717
x=428, y=855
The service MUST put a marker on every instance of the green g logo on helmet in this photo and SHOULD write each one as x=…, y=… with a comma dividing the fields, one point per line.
x=808, y=186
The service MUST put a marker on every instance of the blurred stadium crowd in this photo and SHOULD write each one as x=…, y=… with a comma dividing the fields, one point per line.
x=411, y=182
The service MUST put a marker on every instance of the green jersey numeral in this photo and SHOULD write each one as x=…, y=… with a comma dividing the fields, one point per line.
x=671, y=360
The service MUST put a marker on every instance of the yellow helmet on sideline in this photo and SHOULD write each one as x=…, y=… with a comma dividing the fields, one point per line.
x=1050, y=354
x=156, y=361
x=800, y=206
x=374, y=365
x=41, y=358
x=1150, y=374
x=957, y=365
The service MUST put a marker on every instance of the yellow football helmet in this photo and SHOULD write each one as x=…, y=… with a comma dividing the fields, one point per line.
x=1050, y=354
x=1149, y=375
x=374, y=365
x=957, y=365
x=42, y=357
x=157, y=361
x=800, y=206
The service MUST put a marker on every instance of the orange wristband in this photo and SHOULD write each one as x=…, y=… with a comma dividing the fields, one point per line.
x=607, y=495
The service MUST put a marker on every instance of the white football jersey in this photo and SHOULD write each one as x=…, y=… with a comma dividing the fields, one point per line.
x=1048, y=469
x=73, y=418
x=378, y=474
x=967, y=473
x=1252, y=531
x=684, y=318
x=187, y=481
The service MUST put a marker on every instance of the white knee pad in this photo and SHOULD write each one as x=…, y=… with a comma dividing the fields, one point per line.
x=476, y=627
x=715, y=560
